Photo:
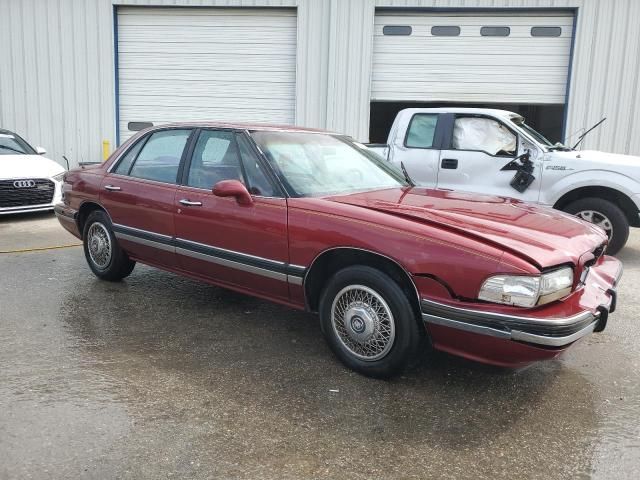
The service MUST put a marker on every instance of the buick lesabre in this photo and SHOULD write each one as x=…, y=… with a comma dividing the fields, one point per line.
x=315, y=221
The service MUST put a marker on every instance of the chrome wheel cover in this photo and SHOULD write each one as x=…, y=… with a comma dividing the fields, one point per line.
x=363, y=322
x=599, y=219
x=99, y=245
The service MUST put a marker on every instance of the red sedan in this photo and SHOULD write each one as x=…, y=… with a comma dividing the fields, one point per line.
x=315, y=221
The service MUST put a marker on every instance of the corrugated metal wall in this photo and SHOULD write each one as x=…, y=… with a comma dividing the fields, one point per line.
x=58, y=88
x=56, y=75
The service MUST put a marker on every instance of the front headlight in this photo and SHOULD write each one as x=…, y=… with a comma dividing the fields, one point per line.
x=59, y=177
x=527, y=291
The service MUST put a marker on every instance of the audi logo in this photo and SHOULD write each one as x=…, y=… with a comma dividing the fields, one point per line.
x=24, y=184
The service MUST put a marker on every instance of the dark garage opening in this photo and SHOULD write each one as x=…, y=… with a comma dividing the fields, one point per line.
x=547, y=119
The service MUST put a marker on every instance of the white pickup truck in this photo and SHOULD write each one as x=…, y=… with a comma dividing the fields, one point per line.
x=496, y=152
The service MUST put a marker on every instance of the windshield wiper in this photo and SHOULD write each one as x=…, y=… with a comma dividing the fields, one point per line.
x=559, y=146
x=587, y=132
x=406, y=175
x=12, y=149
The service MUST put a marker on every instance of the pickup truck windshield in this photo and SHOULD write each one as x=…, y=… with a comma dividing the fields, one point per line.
x=316, y=164
x=533, y=133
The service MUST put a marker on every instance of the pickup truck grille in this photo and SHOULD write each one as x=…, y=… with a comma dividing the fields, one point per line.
x=21, y=192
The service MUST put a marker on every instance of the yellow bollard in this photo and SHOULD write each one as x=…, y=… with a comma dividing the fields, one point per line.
x=106, y=146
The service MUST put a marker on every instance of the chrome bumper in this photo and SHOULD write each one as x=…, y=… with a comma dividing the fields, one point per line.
x=553, y=332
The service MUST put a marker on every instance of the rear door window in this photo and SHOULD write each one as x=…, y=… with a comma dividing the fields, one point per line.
x=160, y=156
x=422, y=130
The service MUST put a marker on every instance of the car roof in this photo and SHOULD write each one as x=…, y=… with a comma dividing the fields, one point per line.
x=242, y=126
x=474, y=111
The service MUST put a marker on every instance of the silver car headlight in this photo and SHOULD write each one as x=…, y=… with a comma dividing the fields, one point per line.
x=525, y=290
x=59, y=177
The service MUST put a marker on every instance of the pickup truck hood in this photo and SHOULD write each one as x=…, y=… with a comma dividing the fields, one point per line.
x=607, y=160
x=541, y=235
x=27, y=166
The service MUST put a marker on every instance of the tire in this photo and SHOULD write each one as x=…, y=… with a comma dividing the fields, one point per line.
x=605, y=214
x=101, y=249
x=395, y=325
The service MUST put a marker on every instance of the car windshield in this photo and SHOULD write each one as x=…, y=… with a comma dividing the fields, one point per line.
x=316, y=164
x=12, y=144
x=532, y=132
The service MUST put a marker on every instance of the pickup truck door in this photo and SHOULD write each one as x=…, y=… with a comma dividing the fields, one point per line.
x=419, y=148
x=475, y=154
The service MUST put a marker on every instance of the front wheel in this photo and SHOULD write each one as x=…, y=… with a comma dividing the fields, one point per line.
x=101, y=249
x=368, y=322
x=606, y=215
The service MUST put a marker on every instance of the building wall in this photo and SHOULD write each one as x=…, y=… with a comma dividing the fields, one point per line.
x=56, y=75
x=59, y=87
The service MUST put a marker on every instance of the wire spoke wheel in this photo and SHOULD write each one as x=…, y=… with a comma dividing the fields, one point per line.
x=99, y=245
x=598, y=219
x=363, y=322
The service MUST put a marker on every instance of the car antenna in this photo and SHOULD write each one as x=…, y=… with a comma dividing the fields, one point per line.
x=581, y=137
x=66, y=160
x=406, y=175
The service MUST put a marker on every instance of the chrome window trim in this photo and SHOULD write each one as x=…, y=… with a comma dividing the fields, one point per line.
x=210, y=190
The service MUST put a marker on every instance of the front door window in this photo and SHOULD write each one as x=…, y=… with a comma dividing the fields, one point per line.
x=483, y=135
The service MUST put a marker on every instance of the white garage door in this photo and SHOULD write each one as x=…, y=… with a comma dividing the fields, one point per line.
x=184, y=64
x=487, y=58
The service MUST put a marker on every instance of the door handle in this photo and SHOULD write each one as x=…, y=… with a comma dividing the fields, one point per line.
x=189, y=203
x=112, y=188
x=449, y=163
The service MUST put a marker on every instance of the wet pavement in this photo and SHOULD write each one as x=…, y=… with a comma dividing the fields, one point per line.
x=163, y=377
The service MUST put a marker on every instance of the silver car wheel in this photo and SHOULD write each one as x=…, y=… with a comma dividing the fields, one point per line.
x=599, y=219
x=363, y=322
x=99, y=245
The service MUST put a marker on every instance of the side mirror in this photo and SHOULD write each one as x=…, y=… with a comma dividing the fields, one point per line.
x=233, y=188
x=40, y=151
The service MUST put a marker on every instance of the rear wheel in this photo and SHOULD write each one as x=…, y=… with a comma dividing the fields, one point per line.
x=606, y=215
x=368, y=322
x=105, y=257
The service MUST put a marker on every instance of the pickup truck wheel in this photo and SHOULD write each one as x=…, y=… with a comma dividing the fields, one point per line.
x=368, y=322
x=105, y=257
x=606, y=215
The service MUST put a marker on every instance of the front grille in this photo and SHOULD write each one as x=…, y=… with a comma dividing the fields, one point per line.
x=41, y=193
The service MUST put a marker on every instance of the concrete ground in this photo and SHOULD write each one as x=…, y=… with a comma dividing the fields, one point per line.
x=163, y=377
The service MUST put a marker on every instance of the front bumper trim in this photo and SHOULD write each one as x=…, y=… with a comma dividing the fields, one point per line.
x=552, y=332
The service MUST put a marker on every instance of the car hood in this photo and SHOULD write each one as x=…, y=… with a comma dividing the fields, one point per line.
x=28, y=166
x=606, y=159
x=541, y=235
